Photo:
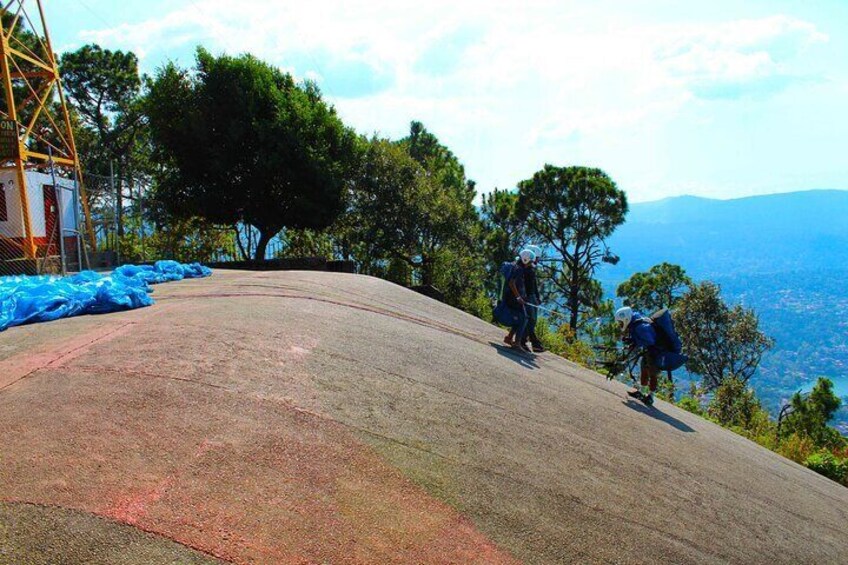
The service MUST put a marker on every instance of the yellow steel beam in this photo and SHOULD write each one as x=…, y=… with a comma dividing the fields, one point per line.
x=24, y=46
x=72, y=144
x=46, y=158
x=32, y=74
x=29, y=243
x=47, y=113
x=42, y=101
x=46, y=68
x=34, y=61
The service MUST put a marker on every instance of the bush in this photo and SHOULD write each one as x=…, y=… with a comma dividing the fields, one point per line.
x=552, y=340
x=734, y=404
x=824, y=463
x=691, y=404
x=797, y=448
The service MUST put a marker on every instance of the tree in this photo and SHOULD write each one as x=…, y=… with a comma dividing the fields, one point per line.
x=503, y=231
x=809, y=415
x=661, y=286
x=412, y=228
x=103, y=85
x=734, y=404
x=242, y=142
x=722, y=342
x=400, y=211
x=573, y=210
x=104, y=88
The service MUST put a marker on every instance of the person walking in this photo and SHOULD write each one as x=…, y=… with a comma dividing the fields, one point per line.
x=514, y=298
x=534, y=300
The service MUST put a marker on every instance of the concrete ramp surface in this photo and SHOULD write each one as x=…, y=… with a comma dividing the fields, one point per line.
x=302, y=417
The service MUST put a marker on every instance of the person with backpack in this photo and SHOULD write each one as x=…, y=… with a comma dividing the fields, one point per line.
x=662, y=349
x=533, y=301
x=511, y=309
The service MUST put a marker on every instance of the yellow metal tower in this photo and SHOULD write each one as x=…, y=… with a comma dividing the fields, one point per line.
x=35, y=125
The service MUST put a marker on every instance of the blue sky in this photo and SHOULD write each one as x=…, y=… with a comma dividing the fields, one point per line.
x=717, y=99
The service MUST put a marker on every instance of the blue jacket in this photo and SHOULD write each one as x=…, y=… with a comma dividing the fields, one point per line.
x=643, y=334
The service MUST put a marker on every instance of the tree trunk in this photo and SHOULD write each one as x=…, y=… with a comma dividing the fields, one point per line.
x=264, y=238
x=574, y=294
x=427, y=274
x=119, y=196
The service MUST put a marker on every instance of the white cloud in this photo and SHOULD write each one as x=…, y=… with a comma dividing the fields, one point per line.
x=544, y=77
x=736, y=56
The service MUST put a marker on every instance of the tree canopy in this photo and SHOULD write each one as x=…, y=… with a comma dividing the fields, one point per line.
x=722, y=342
x=242, y=141
x=573, y=210
x=661, y=286
x=103, y=85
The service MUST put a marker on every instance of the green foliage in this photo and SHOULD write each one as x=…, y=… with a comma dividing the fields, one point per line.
x=103, y=85
x=503, y=231
x=398, y=272
x=824, y=463
x=562, y=341
x=241, y=141
x=105, y=96
x=722, y=342
x=573, y=210
x=796, y=447
x=659, y=287
x=307, y=243
x=691, y=404
x=734, y=404
x=665, y=387
x=398, y=211
x=411, y=204
x=186, y=241
x=810, y=415
x=459, y=274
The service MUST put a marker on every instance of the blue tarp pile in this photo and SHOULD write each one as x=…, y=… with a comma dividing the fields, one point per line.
x=25, y=300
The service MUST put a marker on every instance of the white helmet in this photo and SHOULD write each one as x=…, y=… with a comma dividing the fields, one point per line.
x=537, y=251
x=623, y=316
x=527, y=256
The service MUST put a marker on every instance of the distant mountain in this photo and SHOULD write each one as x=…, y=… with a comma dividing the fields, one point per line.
x=760, y=234
x=785, y=255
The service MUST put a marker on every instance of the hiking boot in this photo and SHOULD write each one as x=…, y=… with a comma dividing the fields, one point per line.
x=508, y=341
x=537, y=348
x=648, y=399
x=520, y=347
x=635, y=393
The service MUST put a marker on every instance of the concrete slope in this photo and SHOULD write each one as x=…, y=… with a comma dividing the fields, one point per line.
x=311, y=417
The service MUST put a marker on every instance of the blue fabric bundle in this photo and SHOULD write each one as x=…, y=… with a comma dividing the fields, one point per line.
x=25, y=300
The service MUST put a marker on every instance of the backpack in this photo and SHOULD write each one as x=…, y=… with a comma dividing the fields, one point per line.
x=664, y=326
x=503, y=313
x=673, y=357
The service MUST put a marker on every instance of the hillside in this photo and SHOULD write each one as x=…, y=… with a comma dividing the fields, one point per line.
x=759, y=234
x=785, y=255
x=312, y=417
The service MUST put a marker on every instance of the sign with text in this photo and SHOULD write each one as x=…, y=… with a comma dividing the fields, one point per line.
x=8, y=139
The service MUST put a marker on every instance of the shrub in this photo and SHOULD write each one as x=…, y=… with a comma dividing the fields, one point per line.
x=691, y=404
x=796, y=447
x=824, y=463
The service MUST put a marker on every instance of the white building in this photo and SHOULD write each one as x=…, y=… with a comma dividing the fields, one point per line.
x=50, y=217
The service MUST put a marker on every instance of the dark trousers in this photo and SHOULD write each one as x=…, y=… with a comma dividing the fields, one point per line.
x=532, y=316
x=648, y=372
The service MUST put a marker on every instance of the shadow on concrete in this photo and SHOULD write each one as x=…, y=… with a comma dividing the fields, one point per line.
x=655, y=413
x=523, y=359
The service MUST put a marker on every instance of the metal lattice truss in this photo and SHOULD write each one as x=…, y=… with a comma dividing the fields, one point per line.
x=34, y=104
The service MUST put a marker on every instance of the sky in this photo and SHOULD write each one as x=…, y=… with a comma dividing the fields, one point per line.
x=720, y=99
